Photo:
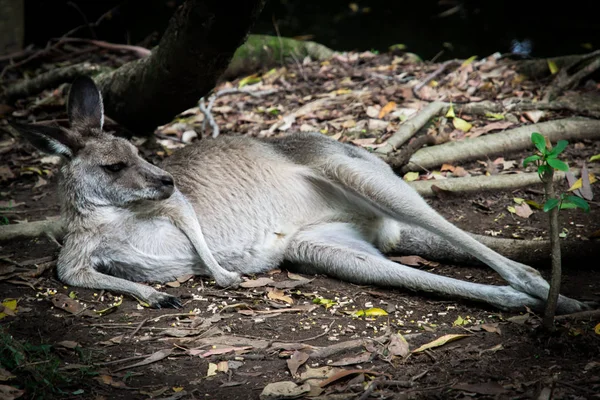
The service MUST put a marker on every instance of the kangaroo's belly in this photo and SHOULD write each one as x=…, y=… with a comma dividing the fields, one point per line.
x=157, y=251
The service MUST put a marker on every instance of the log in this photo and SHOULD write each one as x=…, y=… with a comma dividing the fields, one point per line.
x=502, y=143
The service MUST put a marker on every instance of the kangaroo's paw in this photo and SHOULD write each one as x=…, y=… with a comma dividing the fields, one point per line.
x=566, y=305
x=228, y=279
x=164, y=300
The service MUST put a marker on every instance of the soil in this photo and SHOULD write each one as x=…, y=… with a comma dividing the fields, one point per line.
x=66, y=353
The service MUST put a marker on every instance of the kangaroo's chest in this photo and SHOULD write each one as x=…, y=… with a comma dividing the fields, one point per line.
x=156, y=250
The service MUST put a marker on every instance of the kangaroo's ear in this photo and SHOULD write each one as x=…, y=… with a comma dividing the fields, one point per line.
x=84, y=105
x=50, y=139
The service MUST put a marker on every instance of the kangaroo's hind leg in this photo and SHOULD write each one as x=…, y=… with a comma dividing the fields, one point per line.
x=337, y=249
x=367, y=176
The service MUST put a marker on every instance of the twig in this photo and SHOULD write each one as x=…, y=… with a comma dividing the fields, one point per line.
x=579, y=315
x=319, y=335
x=135, y=331
x=432, y=76
x=376, y=384
x=140, y=52
x=563, y=81
x=206, y=110
x=17, y=54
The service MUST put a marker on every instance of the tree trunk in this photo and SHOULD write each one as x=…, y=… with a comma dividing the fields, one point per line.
x=196, y=48
x=11, y=26
x=550, y=311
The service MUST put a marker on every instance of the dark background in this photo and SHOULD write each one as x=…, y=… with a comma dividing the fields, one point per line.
x=460, y=28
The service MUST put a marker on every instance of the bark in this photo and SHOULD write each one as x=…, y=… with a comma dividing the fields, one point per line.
x=11, y=25
x=502, y=143
x=550, y=311
x=194, y=51
x=478, y=184
x=52, y=78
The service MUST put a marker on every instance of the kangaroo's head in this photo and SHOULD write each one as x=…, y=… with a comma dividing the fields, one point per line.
x=100, y=169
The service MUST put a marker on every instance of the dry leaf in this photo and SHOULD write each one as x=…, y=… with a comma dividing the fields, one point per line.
x=447, y=167
x=411, y=176
x=346, y=372
x=461, y=124
x=523, y=210
x=440, y=342
x=488, y=388
x=212, y=369
x=69, y=344
x=359, y=359
x=70, y=305
x=534, y=116
x=284, y=390
x=414, y=261
x=398, y=345
x=275, y=294
x=296, y=361
x=108, y=380
x=10, y=393
x=372, y=112
x=8, y=308
x=223, y=366
x=492, y=328
x=152, y=358
x=389, y=107
x=254, y=283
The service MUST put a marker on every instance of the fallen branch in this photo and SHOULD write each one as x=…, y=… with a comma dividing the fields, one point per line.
x=591, y=314
x=501, y=143
x=52, y=78
x=31, y=230
x=564, y=81
x=478, y=184
x=410, y=127
x=140, y=52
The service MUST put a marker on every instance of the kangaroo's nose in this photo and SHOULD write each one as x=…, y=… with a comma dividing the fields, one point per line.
x=167, y=180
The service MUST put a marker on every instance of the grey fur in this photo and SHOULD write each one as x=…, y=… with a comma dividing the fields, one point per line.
x=244, y=205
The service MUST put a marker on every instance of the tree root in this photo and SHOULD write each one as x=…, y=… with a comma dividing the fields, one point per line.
x=31, y=230
x=501, y=143
x=478, y=184
x=409, y=128
x=565, y=81
x=52, y=78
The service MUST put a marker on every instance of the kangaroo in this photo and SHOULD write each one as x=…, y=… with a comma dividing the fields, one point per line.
x=237, y=205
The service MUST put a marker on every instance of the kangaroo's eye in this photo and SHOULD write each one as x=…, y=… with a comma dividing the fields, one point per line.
x=114, y=167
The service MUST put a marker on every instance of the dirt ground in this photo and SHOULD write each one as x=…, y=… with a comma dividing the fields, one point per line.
x=231, y=344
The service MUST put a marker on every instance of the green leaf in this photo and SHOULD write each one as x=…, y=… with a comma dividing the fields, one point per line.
x=531, y=159
x=557, y=164
x=567, y=204
x=559, y=148
x=539, y=142
x=579, y=202
x=450, y=113
x=595, y=158
x=550, y=204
